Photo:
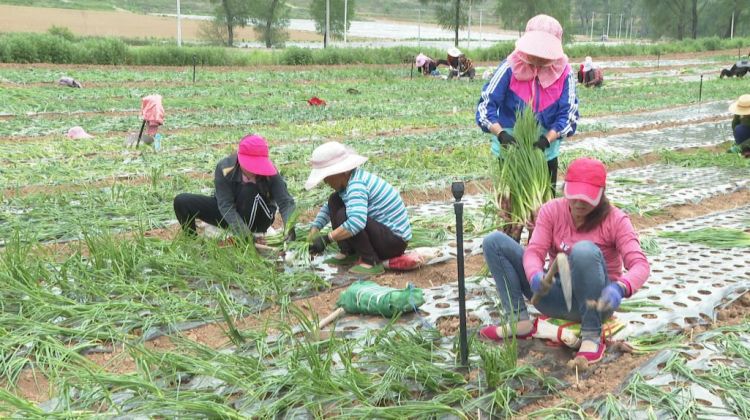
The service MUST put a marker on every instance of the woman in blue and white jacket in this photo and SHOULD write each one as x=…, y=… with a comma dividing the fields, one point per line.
x=537, y=72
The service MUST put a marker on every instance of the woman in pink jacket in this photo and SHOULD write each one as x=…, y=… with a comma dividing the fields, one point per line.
x=598, y=239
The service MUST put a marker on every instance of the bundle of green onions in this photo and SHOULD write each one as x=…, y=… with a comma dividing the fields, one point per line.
x=522, y=180
x=723, y=238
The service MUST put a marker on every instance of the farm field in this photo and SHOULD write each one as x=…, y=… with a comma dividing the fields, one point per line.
x=107, y=312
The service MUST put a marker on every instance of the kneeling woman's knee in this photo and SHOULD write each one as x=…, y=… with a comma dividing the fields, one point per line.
x=585, y=249
x=494, y=242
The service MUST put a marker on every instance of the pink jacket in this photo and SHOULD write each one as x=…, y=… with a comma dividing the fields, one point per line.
x=615, y=237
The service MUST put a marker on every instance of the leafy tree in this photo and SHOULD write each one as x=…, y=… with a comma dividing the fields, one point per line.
x=336, y=22
x=232, y=13
x=514, y=14
x=270, y=18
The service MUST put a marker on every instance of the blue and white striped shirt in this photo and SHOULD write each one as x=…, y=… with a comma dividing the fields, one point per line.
x=367, y=195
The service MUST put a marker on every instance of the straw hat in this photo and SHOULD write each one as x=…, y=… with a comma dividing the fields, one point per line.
x=330, y=159
x=585, y=180
x=741, y=106
x=543, y=38
x=454, y=52
x=252, y=154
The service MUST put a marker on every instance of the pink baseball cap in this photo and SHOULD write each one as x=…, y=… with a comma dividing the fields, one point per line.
x=252, y=154
x=542, y=38
x=77, y=132
x=585, y=180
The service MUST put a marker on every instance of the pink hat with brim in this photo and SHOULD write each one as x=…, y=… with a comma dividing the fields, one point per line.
x=330, y=159
x=252, y=154
x=421, y=59
x=77, y=132
x=542, y=38
x=585, y=180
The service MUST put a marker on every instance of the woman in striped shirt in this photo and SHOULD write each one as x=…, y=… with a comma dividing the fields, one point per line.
x=368, y=217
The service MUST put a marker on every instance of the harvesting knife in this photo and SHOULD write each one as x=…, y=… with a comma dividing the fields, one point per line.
x=563, y=267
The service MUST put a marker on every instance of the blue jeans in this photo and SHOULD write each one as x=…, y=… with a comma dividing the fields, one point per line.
x=588, y=272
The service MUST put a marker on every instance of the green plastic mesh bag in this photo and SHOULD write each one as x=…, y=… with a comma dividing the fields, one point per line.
x=370, y=298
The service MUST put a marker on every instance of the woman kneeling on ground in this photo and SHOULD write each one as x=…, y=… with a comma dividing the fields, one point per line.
x=597, y=237
x=248, y=188
x=367, y=214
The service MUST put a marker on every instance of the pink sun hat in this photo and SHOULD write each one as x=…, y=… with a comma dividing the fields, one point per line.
x=585, y=180
x=78, y=132
x=421, y=59
x=252, y=154
x=542, y=38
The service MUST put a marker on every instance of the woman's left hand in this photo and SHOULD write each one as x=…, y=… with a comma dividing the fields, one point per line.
x=611, y=297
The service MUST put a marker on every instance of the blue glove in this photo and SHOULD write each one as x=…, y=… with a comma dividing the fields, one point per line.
x=611, y=297
x=536, y=281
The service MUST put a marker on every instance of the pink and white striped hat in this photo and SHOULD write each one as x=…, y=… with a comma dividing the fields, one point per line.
x=543, y=38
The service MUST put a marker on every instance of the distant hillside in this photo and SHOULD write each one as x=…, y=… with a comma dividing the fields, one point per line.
x=402, y=10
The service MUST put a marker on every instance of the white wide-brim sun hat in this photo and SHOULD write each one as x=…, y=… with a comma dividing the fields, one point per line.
x=330, y=159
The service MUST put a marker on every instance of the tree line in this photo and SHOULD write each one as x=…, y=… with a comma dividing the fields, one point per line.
x=597, y=19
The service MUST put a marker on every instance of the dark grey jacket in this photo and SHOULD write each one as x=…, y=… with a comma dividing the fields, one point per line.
x=227, y=182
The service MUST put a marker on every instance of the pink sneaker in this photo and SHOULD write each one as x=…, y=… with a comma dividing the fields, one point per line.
x=490, y=332
x=593, y=356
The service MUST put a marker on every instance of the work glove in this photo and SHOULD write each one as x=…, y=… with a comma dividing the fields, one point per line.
x=536, y=282
x=611, y=297
x=542, y=144
x=291, y=236
x=319, y=244
x=506, y=138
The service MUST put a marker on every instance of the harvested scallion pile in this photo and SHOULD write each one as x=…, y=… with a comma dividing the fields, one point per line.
x=724, y=238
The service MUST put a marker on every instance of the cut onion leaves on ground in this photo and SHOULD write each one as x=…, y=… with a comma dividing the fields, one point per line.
x=722, y=238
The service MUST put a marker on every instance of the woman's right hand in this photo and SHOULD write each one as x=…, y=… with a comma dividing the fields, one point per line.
x=312, y=234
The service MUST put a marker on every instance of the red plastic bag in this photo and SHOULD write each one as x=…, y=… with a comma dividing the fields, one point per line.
x=405, y=262
x=315, y=101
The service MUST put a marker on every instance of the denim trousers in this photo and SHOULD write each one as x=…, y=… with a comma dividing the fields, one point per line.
x=588, y=271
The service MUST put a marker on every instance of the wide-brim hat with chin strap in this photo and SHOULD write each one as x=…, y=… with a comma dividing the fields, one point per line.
x=542, y=38
x=330, y=159
x=741, y=106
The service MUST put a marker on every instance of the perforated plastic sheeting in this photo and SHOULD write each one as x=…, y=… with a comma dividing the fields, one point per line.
x=688, y=281
x=671, y=115
x=657, y=186
x=622, y=146
x=705, y=353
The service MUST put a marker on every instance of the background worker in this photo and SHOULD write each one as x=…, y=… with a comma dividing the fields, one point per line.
x=425, y=65
x=738, y=69
x=458, y=65
x=367, y=215
x=741, y=125
x=590, y=74
x=248, y=189
x=598, y=239
x=536, y=73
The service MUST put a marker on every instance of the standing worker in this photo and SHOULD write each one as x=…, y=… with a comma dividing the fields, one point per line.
x=537, y=72
x=741, y=125
x=367, y=215
x=248, y=188
x=598, y=240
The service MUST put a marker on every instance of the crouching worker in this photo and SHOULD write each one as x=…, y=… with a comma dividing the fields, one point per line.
x=248, y=188
x=367, y=215
x=741, y=126
x=597, y=238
